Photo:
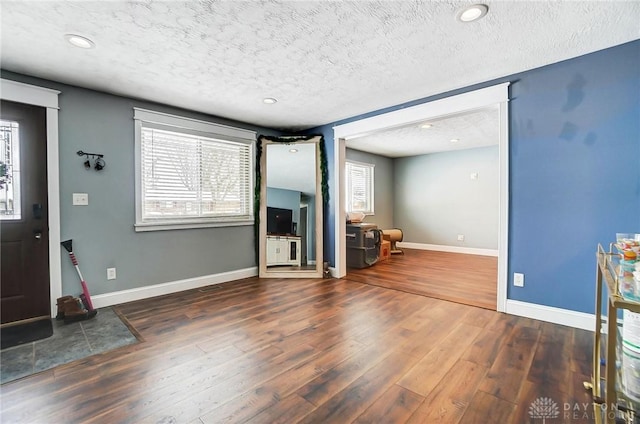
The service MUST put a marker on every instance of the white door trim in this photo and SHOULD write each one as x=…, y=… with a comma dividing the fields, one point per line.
x=497, y=94
x=45, y=97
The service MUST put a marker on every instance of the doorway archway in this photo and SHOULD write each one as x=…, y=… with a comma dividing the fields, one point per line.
x=494, y=95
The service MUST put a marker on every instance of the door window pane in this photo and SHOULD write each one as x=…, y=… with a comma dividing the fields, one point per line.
x=9, y=171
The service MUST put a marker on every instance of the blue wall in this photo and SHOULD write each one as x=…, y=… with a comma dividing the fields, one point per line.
x=574, y=171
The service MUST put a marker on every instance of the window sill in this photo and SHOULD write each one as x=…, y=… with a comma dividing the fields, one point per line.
x=156, y=226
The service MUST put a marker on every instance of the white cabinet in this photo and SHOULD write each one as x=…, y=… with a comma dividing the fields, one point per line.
x=283, y=250
x=275, y=250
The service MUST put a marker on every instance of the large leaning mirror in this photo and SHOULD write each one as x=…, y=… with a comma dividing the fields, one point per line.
x=291, y=204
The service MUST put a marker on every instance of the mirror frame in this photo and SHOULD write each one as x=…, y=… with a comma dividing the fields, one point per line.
x=261, y=205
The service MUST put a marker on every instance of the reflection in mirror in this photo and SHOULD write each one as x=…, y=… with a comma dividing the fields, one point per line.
x=291, y=187
x=290, y=210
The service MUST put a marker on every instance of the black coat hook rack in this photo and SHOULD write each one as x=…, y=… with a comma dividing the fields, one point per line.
x=81, y=153
x=99, y=161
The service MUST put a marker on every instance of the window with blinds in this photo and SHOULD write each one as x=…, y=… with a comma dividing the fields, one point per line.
x=195, y=175
x=359, y=181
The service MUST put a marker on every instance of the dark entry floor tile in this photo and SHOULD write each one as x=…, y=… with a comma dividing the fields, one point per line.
x=69, y=342
x=109, y=333
x=16, y=362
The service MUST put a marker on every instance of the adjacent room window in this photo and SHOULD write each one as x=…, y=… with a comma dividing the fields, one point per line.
x=191, y=173
x=359, y=187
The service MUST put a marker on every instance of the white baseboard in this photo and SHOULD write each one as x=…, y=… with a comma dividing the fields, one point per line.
x=566, y=317
x=452, y=249
x=514, y=307
x=123, y=296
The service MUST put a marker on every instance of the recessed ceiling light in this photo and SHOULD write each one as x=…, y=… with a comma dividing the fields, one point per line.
x=79, y=41
x=454, y=140
x=269, y=100
x=293, y=150
x=472, y=13
x=426, y=126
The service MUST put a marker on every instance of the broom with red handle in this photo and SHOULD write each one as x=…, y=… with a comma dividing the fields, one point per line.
x=68, y=246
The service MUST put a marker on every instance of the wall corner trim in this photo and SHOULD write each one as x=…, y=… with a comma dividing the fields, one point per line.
x=139, y=293
x=551, y=314
x=333, y=271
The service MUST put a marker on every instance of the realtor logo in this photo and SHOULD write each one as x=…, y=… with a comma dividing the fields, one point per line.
x=544, y=408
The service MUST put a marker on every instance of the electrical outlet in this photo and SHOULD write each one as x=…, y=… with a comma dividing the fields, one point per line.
x=518, y=279
x=474, y=176
x=460, y=237
x=80, y=199
x=111, y=273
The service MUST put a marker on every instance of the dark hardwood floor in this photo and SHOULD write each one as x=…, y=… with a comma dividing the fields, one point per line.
x=313, y=351
x=467, y=279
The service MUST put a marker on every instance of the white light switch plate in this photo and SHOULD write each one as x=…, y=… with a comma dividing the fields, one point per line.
x=80, y=199
x=111, y=273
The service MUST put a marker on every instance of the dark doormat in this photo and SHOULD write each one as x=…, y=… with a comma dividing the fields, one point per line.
x=15, y=335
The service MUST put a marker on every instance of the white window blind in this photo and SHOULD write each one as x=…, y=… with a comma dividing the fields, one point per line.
x=359, y=180
x=192, y=178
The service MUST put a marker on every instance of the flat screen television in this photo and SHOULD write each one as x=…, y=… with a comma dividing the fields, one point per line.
x=279, y=221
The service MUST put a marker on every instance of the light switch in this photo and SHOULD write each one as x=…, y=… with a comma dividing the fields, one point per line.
x=474, y=176
x=80, y=199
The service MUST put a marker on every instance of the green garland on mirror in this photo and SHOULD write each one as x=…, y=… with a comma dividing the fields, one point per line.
x=324, y=171
x=256, y=203
x=324, y=184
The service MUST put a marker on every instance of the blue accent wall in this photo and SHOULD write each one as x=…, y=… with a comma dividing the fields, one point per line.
x=574, y=171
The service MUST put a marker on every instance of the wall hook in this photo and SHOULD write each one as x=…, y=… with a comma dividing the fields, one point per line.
x=81, y=153
x=99, y=161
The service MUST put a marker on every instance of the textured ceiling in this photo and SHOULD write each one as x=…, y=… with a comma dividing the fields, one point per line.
x=477, y=128
x=323, y=60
